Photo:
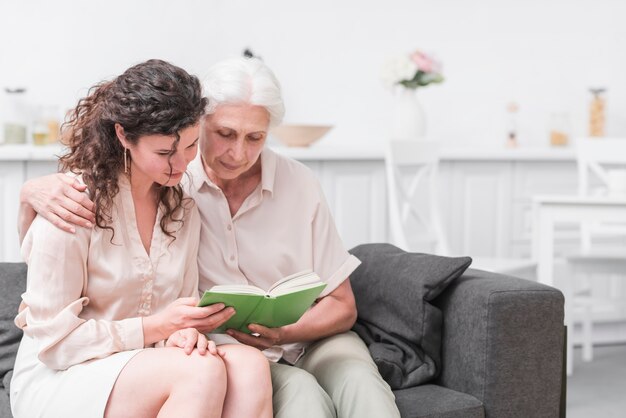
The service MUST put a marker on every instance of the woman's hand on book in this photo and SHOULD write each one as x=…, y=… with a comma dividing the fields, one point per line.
x=261, y=337
x=180, y=314
x=190, y=338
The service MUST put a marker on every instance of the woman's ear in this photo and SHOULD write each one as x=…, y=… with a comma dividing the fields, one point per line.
x=119, y=131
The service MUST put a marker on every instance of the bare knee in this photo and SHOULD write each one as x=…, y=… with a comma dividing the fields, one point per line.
x=247, y=365
x=207, y=368
x=200, y=373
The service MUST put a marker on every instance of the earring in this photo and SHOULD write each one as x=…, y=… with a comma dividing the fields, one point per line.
x=125, y=160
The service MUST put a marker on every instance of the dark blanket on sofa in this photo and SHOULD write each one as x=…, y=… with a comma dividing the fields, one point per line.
x=400, y=327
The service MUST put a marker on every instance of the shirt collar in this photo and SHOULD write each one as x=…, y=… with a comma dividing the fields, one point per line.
x=268, y=169
x=198, y=177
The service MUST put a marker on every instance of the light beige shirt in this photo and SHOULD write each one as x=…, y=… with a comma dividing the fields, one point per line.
x=283, y=227
x=86, y=295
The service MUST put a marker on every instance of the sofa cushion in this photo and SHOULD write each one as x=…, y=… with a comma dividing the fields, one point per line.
x=432, y=401
x=5, y=403
x=400, y=326
x=12, y=285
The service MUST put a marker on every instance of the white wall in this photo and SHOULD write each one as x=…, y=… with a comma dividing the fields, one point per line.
x=544, y=54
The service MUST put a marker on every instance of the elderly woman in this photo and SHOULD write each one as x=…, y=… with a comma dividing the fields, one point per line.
x=263, y=217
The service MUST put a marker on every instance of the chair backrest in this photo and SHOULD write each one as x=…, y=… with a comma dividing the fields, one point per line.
x=601, y=171
x=605, y=160
x=413, y=200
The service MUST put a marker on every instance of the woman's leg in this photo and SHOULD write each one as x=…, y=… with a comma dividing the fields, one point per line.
x=168, y=383
x=344, y=368
x=249, y=389
x=297, y=394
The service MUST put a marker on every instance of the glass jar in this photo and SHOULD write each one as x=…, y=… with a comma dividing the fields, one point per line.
x=15, y=116
x=559, y=129
x=597, y=113
x=46, y=125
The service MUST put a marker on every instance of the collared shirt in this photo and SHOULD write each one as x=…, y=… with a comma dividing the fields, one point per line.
x=87, y=292
x=283, y=227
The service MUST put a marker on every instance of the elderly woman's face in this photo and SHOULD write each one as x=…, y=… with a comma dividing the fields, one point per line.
x=232, y=138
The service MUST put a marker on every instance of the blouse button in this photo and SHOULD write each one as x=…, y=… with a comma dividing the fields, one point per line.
x=232, y=258
x=229, y=227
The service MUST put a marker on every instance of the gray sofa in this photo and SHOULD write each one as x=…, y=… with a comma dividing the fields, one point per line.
x=501, y=356
x=502, y=352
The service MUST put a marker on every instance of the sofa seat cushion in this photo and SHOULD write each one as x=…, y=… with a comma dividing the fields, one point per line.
x=432, y=401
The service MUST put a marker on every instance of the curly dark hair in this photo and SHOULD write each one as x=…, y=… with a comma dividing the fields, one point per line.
x=154, y=97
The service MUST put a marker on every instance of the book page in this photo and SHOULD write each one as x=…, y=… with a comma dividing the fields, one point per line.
x=299, y=280
x=243, y=289
x=297, y=289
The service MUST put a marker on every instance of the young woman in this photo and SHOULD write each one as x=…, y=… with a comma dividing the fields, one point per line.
x=99, y=302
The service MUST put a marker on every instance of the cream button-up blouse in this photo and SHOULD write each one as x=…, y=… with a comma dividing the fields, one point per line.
x=283, y=227
x=87, y=292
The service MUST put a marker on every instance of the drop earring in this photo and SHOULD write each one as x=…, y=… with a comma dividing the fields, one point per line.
x=125, y=160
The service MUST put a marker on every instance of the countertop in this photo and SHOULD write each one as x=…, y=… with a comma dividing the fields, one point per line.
x=338, y=153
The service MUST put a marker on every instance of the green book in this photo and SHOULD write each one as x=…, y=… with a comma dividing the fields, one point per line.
x=283, y=304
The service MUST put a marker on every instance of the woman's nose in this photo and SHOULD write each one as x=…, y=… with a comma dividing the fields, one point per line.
x=238, y=150
x=178, y=161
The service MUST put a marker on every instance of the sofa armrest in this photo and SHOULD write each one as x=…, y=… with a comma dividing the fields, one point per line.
x=503, y=343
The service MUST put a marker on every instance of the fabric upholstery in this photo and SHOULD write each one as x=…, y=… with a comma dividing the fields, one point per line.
x=503, y=343
x=12, y=285
x=432, y=401
x=400, y=326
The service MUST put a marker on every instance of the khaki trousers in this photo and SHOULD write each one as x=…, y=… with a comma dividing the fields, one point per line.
x=336, y=377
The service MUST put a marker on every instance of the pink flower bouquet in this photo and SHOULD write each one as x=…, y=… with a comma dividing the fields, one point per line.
x=412, y=71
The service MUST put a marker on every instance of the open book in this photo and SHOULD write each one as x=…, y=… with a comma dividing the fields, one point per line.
x=284, y=303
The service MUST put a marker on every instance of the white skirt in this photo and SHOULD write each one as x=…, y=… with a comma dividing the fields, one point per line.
x=80, y=391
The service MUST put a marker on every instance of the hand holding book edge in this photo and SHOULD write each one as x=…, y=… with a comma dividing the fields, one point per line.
x=267, y=337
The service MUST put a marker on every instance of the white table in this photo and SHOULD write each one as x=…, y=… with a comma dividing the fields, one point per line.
x=549, y=210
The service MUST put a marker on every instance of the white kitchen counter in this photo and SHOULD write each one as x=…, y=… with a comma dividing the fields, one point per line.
x=30, y=152
x=338, y=153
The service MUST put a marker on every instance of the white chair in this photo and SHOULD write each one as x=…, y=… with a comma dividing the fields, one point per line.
x=413, y=203
x=601, y=171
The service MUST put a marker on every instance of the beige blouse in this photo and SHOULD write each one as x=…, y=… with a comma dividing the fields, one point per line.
x=86, y=294
x=283, y=227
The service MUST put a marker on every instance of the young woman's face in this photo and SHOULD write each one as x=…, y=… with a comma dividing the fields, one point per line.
x=233, y=138
x=152, y=158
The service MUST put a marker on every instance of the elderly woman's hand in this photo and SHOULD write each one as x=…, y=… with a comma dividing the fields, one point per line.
x=263, y=337
x=60, y=199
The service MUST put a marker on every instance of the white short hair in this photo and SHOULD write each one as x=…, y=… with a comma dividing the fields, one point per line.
x=244, y=80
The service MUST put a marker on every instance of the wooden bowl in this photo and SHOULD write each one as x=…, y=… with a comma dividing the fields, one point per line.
x=299, y=135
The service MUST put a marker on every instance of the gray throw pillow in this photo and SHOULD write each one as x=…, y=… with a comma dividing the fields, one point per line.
x=12, y=285
x=396, y=320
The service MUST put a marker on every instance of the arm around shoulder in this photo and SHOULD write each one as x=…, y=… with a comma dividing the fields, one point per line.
x=57, y=197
